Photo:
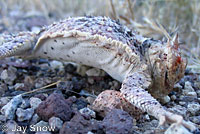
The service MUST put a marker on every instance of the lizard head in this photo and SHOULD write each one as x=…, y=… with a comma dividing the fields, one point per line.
x=168, y=67
x=175, y=64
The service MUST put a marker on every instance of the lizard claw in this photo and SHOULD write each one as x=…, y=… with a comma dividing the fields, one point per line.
x=162, y=121
x=174, y=118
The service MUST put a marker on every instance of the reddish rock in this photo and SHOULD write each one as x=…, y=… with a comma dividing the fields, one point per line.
x=117, y=122
x=55, y=105
x=111, y=99
x=81, y=124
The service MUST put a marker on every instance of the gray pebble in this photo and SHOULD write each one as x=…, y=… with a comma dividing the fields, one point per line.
x=177, y=129
x=34, y=102
x=178, y=110
x=19, y=86
x=34, y=119
x=24, y=114
x=42, y=123
x=195, y=119
x=2, y=118
x=193, y=108
x=87, y=111
x=4, y=101
x=93, y=72
x=25, y=103
x=56, y=65
x=9, y=109
x=56, y=123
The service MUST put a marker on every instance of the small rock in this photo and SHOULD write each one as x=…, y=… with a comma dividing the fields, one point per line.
x=3, y=88
x=93, y=72
x=35, y=102
x=56, y=123
x=195, y=119
x=4, y=101
x=84, y=93
x=80, y=124
x=25, y=103
x=149, y=126
x=81, y=103
x=35, y=29
x=173, y=97
x=146, y=117
x=90, y=132
x=2, y=118
x=177, y=87
x=9, y=75
x=40, y=82
x=66, y=86
x=193, y=94
x=88, y=112
x=43, y=127
x=178, y=110
x=116, y=84
x=44, y=66
x=42, y=123
x=91, y=80
x=165, y=99
x=78, y=84
x=54, y=105
x=24, y=115
x=40, y=96
x=10, y=126
x=9, y=109
x=111, y=99
x=19, y=86
x=117, y=122
x=56, y=65
x=70, y=68
x=177, y=129
x=34, y=119
x=90, y=100
x=198, y=93
x=81, y=69
x=4, y=75
x=182, y=103
x=188, y=86
x=193, y=108
x=197, y=84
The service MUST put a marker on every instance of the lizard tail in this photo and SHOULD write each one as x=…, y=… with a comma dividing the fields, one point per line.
x=19, y=44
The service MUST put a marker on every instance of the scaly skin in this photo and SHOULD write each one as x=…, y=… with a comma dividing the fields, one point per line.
x=142, y=65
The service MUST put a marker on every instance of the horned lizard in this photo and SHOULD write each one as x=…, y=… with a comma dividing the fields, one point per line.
x=142, y=64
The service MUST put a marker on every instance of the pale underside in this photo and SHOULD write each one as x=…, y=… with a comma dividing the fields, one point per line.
x=103, y=45
x=86, y=52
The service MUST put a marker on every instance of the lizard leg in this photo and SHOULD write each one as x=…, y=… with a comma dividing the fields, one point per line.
x=133, y=90
x=16, y=45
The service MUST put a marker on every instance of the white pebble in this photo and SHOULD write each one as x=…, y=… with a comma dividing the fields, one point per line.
x=35, y=102
x=87, y=111
x=9, y=109
x=193, y=108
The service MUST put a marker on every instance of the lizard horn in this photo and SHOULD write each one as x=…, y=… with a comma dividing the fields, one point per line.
x=168, y=43
x=16, y=45
x=176, y=41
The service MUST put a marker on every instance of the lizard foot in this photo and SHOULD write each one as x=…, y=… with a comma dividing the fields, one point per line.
x=174, y=118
